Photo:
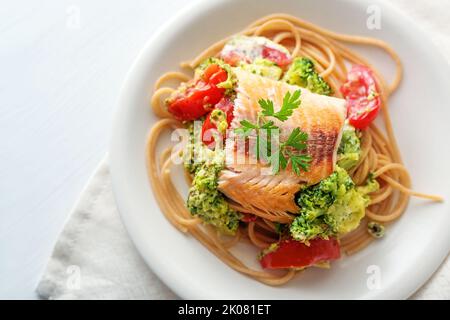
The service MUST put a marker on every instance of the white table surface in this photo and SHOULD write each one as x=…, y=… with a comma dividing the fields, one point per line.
x=61, y=67
x=62, y=63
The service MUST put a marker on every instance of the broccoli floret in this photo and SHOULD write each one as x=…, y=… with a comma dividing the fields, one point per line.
x=347, y=211
x=349, y=151
x=193, y=150
x=302, y=73
x=264, y=68
x=303, y=230
x=204, y=200
x=332, y=207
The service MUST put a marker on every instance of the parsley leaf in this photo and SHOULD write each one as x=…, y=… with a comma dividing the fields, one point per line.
x=269, y=125
x=246, y=128
x=300, y=161
x=290, y=103
x=297, y=139
x=267, y=107
x=248, y=124
x=277, y=161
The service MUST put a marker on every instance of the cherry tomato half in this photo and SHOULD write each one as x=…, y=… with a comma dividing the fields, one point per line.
x=214, y=74
x=294, y=254
x=362, y=95
x=199, y=96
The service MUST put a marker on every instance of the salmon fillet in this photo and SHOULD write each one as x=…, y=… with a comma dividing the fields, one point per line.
x=251, y=185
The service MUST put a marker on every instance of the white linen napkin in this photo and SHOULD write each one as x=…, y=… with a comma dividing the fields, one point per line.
x=95, y=259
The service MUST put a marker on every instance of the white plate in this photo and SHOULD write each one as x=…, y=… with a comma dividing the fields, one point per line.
x=414, y=246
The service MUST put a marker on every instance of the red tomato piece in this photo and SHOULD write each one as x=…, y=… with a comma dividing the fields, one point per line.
x=200, y=96
x=208, y=129
x=226, y=105
x=294, y=254
x=362, y=95
x=214, y=74
x=276, y=56
x=196, y=101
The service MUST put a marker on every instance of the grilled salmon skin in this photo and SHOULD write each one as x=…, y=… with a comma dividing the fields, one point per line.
x=249, y=185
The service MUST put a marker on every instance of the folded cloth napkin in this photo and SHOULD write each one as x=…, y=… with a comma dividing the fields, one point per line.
x=95, y=259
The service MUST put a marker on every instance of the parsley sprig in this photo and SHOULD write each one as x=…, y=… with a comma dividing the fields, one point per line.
x=287, y=151
x=297, y=140
x=290, y=103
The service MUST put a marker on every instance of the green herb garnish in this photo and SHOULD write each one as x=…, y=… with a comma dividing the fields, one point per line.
x=287, y=151
x=290, y=103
